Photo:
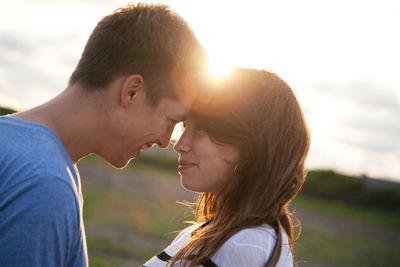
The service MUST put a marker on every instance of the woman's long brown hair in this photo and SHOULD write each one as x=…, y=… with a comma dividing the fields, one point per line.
x=257, y=112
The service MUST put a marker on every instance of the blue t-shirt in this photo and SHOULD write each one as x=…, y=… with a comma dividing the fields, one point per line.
x=40, y=199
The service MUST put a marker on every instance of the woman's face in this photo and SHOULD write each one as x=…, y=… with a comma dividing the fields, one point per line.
x=204, y=165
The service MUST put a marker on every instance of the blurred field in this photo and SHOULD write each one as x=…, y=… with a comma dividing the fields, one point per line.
x=132, y=214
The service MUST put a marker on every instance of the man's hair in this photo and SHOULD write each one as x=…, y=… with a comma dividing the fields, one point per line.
x=145, y=39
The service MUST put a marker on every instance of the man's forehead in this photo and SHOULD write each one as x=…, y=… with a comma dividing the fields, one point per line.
x=175, y=108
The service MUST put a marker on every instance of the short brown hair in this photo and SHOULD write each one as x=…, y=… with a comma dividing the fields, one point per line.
x=145, y=39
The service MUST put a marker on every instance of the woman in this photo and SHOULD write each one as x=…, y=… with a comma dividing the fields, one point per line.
x=244, y=148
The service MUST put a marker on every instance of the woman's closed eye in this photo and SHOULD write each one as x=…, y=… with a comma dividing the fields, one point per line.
x=173, y=122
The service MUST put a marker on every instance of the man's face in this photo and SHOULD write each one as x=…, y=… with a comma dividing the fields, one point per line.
x=140, y=126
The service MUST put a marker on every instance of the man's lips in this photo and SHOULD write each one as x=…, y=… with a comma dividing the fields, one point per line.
x=184, y=165
x=136, y=153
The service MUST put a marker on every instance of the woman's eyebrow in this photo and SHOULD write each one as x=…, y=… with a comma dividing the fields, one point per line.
x=182, y=118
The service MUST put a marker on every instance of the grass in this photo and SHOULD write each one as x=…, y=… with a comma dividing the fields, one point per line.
x=348, y=250
x=372, y=215
x=123, y=228
x=349, y=236
x=124, y=225
x=126, y=229
x=383, y=218
x=150, y=218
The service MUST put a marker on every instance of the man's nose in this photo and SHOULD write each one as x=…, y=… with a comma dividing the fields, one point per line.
x=163, y=142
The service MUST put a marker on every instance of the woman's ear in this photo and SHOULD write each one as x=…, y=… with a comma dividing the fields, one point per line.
x=132, y=85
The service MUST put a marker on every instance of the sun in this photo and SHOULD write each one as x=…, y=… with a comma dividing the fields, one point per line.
x=218, y=69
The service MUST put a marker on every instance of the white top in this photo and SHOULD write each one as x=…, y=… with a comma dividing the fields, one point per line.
x=248, y=247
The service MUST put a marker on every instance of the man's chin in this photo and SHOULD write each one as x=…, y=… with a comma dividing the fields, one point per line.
x=119, y=163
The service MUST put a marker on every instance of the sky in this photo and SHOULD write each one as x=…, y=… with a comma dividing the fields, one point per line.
x=342, y=59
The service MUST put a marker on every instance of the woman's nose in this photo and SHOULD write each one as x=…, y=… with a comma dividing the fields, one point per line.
x=183, y=144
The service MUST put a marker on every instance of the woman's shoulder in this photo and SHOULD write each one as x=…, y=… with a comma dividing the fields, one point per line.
x=162, y=258
x=255, y=246
x=183, y=236
x=262, y=237
x=188, y=230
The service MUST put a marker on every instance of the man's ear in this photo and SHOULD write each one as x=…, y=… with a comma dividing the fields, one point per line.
x=130, y=88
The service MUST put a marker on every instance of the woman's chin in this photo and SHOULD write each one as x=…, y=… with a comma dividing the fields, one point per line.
x=186, y=184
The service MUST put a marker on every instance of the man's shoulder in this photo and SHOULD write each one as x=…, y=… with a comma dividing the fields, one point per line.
x=16, y=132
x=31, y=150
x=23, y=139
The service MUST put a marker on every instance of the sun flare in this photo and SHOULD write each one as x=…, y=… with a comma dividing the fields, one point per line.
x=218, y=70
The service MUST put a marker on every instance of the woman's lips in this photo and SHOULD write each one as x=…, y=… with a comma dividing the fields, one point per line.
x=184, y=165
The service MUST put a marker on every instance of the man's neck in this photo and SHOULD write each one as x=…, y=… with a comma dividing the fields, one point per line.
x=73, y=117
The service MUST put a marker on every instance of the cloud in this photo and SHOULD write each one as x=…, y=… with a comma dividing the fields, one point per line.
x=357, y=123
x=13, y=48
x=32, y=71
x=9, y=41
x=367, y=93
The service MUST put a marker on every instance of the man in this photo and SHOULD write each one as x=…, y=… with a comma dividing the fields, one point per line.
x=126, y=94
